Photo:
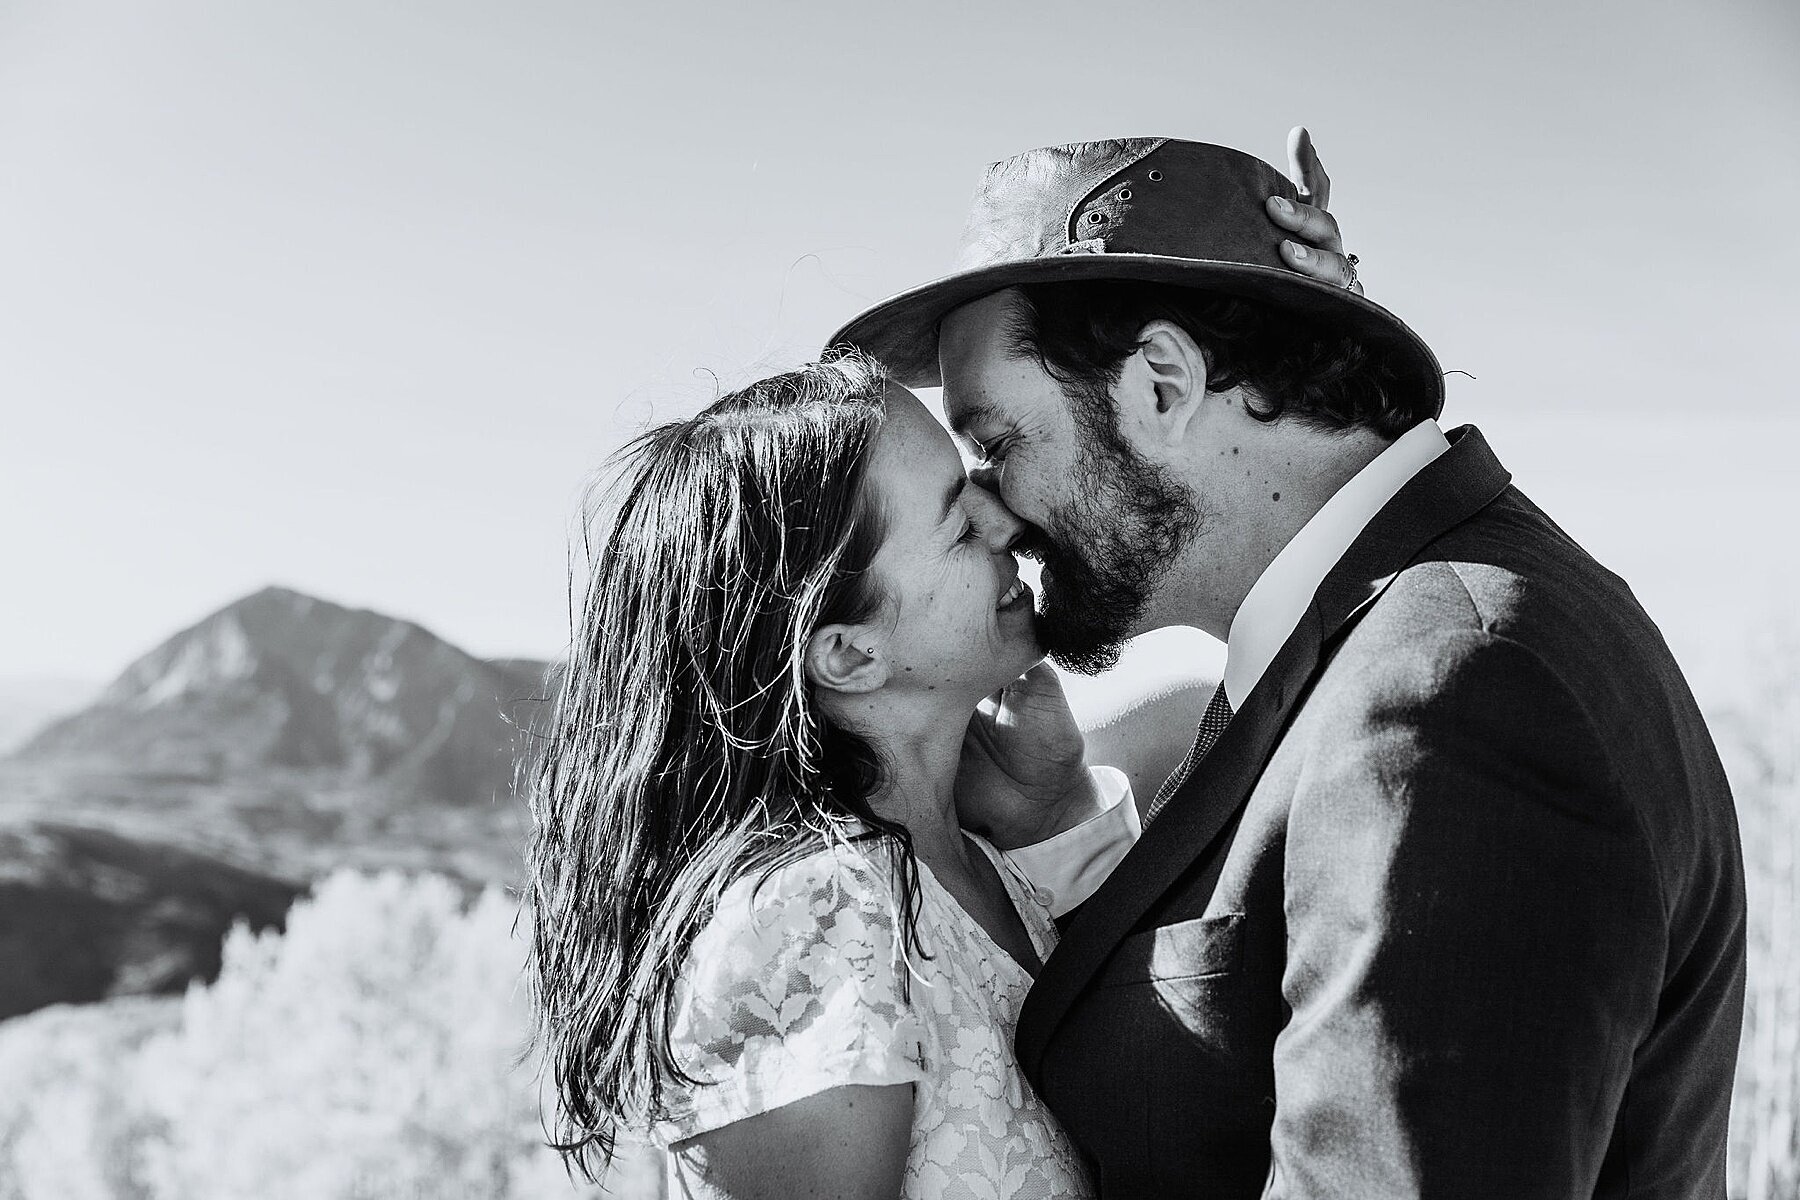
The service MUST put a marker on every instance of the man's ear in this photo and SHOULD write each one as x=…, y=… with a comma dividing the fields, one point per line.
x=1162, y=385
x=847, y=659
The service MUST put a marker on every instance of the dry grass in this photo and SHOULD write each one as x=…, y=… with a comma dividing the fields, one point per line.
x=1760, y=741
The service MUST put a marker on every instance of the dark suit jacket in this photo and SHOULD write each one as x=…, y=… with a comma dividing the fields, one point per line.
x=1454, y=908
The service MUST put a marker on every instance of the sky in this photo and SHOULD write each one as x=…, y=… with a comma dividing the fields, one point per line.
x=356, y=297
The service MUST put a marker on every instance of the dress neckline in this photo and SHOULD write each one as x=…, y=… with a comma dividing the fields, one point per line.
x=1013, y=895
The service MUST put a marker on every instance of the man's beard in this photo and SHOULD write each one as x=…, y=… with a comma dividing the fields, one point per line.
x=1106, y=552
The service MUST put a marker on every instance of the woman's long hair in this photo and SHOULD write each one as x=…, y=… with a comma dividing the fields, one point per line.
x=686, y=750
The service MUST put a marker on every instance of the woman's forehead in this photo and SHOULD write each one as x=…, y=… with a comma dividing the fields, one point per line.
x=916, y=462
x=916, y=428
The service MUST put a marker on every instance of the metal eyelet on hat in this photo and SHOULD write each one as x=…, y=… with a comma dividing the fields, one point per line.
x=1156, y=176
x=1096, y=217
x=1125, y=194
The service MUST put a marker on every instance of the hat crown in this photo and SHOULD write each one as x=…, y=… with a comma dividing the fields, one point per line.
x=1160, y=196
x=1153, y=211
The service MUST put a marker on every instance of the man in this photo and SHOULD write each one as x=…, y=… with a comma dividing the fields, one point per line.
x=1447, y=897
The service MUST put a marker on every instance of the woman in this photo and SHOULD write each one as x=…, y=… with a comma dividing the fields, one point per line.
x=760, y=931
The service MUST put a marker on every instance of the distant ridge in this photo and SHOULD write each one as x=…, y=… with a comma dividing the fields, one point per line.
x=86, y=914
x=283, y=680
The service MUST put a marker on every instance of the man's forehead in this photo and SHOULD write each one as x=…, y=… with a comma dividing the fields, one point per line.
x=973, y=339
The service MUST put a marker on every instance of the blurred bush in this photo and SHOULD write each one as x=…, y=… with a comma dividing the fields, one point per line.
x=372, y=1051
x=69, y=1126
x=1760, y=742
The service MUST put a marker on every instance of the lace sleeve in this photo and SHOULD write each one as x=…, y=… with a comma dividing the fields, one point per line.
x=794, y=987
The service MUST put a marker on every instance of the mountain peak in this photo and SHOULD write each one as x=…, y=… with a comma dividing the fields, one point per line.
x=272, y=630
x=279, y=678
x=277, y=595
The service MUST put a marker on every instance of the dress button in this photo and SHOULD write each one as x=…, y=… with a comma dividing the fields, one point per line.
x=1044, y=896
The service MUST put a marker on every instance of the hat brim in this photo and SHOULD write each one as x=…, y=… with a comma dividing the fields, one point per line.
x=902, y=331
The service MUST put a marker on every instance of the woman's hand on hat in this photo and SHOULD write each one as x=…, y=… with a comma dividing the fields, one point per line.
x=1317, y=247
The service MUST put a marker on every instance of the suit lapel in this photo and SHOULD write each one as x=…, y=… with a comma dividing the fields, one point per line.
x=1444, y=494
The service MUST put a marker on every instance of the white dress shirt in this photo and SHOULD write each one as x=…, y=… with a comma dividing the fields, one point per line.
x=1068, y=868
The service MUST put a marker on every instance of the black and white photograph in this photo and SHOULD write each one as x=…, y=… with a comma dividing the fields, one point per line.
x=1014, y=601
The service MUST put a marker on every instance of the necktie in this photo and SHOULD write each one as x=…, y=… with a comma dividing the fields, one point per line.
x=1212, y=724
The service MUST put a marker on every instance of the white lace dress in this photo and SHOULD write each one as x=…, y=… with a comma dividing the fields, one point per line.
x=800, y=985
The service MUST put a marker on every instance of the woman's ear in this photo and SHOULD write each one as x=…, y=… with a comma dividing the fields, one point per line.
x=1162, y=385
x=847, y=659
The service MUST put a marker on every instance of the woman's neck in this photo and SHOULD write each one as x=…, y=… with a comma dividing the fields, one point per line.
x=918, y=788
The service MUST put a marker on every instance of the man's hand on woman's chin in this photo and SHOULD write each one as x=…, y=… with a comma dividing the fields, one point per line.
x=1024, y=774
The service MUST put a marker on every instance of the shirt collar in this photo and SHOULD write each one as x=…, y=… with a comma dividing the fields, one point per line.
x=1281, y=594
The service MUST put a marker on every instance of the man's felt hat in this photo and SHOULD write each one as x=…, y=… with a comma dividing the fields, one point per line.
x=1152, y=209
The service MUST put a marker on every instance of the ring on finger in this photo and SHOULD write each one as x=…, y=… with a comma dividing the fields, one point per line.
x=1350, y=260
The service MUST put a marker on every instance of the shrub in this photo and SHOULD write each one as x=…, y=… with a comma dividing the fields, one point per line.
x=1761, y=746
x=370, y=1051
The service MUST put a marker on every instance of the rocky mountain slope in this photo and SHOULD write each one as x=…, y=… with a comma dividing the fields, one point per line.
x=272, y=742
x=283, y=681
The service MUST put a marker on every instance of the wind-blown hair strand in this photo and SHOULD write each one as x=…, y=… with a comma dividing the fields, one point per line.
x=686, y=751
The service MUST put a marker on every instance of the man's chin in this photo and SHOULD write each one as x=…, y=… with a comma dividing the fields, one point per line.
x=1083, y=651
x=1083, y=623
x=1087, y=662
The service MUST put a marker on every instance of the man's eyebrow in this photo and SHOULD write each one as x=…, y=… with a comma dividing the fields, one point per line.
x=975, y=413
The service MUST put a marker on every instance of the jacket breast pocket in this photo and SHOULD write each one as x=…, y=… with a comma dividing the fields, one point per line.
x=1196, y=949
x=1185, y=981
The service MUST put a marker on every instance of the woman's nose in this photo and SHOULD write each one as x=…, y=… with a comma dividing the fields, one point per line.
x=987, y=475
x=999, y=527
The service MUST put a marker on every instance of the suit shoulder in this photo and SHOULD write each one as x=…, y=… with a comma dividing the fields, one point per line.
x=1512, y=572
x=1456, y=674
x=1505, y=629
